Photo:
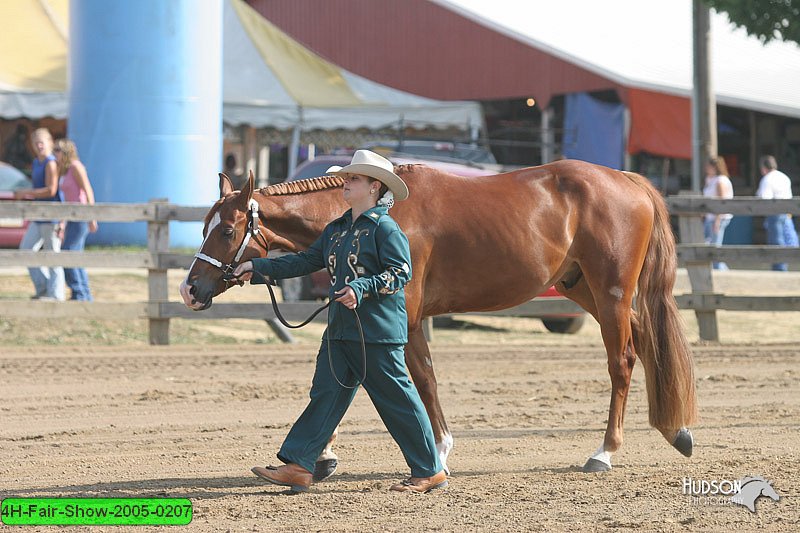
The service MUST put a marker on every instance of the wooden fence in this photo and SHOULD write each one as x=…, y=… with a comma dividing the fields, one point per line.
x=158, y=310
x=698, y=258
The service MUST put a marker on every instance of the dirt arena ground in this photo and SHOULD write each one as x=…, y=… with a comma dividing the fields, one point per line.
x=91, y=410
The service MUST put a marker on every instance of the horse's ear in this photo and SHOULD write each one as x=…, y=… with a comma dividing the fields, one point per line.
x=251, y=178
x=225, y=185
x=247, y=189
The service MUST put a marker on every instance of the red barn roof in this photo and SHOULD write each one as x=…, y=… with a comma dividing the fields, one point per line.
x=426, y=49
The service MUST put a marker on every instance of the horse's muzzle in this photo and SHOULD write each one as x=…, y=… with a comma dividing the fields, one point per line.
x=193, y=298
x=204, y=301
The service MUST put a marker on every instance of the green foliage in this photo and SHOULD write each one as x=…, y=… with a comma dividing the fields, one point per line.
x=765, y=19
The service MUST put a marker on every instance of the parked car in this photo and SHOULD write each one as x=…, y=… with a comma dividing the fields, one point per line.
x=320, y=164
x=315, y=286
x=461, y=153
x=11, y=228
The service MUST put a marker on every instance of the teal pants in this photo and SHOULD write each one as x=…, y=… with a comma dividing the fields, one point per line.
x=391, y=391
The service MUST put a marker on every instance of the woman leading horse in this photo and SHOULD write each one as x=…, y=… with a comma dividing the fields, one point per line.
x=370, y=261
x=480, y=244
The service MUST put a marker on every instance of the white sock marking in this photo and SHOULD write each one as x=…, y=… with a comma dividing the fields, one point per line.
x=602, y=456
x=444, y=449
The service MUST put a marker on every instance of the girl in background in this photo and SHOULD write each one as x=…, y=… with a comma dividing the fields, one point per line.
x=718, y=185
x=75, y=186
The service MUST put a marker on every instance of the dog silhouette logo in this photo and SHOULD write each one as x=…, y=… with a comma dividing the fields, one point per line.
x=753, y=487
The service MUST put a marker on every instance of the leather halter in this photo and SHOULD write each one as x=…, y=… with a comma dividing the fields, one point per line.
x=252, y=232
x=228, y=277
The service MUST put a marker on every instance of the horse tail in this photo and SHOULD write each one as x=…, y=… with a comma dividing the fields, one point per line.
x=658, y=330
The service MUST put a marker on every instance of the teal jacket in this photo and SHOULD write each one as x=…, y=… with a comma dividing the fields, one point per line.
x=371, y=256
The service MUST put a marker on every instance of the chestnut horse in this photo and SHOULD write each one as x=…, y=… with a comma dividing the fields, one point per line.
x=492, y=242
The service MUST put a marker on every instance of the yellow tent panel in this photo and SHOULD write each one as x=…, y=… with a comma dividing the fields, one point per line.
x=308, y=78
x=40, y=29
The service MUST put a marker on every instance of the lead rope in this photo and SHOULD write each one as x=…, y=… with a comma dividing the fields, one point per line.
x=309, y=319
x=363, y=353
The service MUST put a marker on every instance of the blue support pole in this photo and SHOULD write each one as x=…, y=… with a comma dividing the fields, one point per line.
x=145, y=105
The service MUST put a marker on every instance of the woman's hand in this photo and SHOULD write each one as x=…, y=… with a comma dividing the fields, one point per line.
x=244, y=272
x=347, y=297
x=23, y=194
x=92, y=226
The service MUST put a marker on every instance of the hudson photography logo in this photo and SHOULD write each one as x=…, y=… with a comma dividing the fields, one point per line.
x=721, y=492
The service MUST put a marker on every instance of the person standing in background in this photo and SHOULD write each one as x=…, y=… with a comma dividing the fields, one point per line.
x=75, y=186
x=718, y=185
x=776, y=185
x=43, y=234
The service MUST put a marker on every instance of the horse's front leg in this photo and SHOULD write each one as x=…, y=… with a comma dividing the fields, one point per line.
x=420, y=366
x=327, y=461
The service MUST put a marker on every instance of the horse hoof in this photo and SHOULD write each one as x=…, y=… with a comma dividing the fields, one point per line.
x=324, y=469
x=684, y=442
x=593, y=465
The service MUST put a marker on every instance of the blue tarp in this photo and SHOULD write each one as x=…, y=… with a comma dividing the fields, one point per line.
x=593, y=130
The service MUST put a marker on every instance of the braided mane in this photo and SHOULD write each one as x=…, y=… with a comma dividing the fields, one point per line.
x=301, y=186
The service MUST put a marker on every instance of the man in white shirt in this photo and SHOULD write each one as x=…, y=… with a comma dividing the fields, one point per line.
x=776, y=185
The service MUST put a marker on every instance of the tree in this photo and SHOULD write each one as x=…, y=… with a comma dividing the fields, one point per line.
x=765, y=19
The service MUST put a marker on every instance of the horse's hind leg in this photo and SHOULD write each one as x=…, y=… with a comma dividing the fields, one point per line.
x=420, y=366
x=614, y=316
x=613, y=313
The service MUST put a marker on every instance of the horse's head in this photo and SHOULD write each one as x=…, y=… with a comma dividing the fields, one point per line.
x=238, y=228
x=232, y=234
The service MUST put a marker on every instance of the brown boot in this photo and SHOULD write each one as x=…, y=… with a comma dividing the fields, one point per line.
x=422, y=484
x=294, y=476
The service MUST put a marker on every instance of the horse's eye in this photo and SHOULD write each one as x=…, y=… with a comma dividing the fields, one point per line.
x=228, y=232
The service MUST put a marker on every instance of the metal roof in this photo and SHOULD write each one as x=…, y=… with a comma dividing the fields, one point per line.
x=647, y=44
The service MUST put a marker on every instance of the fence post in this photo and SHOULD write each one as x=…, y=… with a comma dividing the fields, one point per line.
x=157, y=285
x=280, y=330
x=700, y=276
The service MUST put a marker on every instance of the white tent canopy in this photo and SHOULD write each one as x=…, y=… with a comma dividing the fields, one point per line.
x=268, y=78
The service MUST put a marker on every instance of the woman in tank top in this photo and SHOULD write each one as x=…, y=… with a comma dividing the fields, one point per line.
x=48, y=282
x=718, y=185
x=75, y=186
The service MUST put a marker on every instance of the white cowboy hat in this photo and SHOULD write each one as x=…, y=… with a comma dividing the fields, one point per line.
x=333, y=169
x=371, y=164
